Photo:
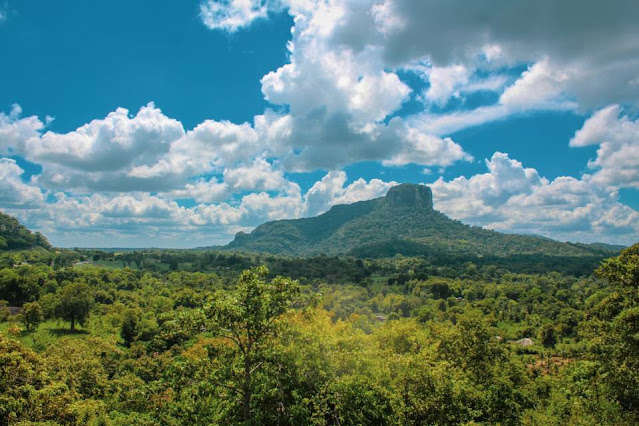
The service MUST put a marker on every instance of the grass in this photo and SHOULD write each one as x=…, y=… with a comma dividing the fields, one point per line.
x=48, y=332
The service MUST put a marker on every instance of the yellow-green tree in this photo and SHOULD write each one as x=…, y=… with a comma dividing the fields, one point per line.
x=247, y=318
x=31, y=315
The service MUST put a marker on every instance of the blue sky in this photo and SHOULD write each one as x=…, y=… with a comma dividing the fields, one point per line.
x=133, y=123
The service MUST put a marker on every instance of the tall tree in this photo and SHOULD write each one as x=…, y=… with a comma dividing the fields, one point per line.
x=614, y=327
x=75, y=303
x=130, y=327
x=248, y=319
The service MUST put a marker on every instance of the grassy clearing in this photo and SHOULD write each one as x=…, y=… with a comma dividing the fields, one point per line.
x=48, y=332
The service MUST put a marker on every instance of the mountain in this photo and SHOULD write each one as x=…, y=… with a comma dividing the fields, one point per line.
x=403, y=222
x=14, y=236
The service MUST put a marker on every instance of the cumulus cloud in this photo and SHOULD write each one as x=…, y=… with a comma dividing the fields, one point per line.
x=258, y=176
x=116, y=142
x=617, y=161
x=119, y=217
x=599, y=41
x=513, y=198
x=341, y=101
x=446, y=82
x=122, y=152
x=332, y=190
x=336, y=102
x=98, y=155
x=14, y=193
x=15, y=131
x=539, y=87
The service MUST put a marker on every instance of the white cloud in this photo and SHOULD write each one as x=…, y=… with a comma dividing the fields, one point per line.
x=259, y=176
x=121, y=153
x=595, y=50
x=617, y=162
x=13, y=192
x=513, y=198
x=16, y=131
x=445, y=82
x=231, y=15
x=98, y=155
x=202, y=191
x=116, y=142
x=539, y=87
x=210, y=145
x=340, y=93
x=423, y=148
x=444, y=124
x=339, y=99
x=332, y=190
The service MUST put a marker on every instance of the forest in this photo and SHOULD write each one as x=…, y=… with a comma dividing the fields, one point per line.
x=204, y=337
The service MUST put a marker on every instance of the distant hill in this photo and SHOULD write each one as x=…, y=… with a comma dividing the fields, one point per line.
x=14, y=236
x=403, y=222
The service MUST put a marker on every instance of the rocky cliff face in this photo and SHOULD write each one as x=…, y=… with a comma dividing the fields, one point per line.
x=410, y=195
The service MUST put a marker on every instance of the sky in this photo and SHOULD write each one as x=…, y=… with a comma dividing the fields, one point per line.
x=178, y=124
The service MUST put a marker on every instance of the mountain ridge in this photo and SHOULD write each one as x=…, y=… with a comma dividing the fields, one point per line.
x=403, y=221
x=15, y=236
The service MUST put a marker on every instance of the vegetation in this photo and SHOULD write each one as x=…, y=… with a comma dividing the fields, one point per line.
x=406, y=343
x=207, y=337
x=14, y=236
x=75, y=303
x=402, y=222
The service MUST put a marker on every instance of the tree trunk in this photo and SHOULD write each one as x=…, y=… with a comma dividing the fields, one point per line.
x=72, y=323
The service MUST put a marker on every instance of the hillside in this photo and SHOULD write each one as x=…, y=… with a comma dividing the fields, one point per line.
x=402, y=222
x=14, y=236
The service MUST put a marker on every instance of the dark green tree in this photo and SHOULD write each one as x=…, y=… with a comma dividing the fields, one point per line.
x=130, y=327
x=547, y=336
x=76, y=301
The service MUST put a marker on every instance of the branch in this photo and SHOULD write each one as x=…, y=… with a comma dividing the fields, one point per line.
x=256, y=367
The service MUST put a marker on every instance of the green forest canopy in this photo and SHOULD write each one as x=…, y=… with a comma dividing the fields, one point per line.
x=402, y=346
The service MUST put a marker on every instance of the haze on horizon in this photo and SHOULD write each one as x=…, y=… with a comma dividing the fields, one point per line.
x=140, y=124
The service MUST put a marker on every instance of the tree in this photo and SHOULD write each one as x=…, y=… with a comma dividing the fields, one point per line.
x=548, y=339
x=129, y=329
x=75, y=303
x=28, y=395
x=614, y=328
x=547, y=336
x=32, y=315
x=248, y=319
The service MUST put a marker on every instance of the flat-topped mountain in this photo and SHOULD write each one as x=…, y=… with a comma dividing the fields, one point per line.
x=402, y=222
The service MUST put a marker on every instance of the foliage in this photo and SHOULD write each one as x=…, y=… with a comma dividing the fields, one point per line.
x=384, y=228
x=14, y=236
x=32, y=315
x=168, y=336
x=130, y=327
x=614, y=329
x=75, y=303
x=248, y=319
